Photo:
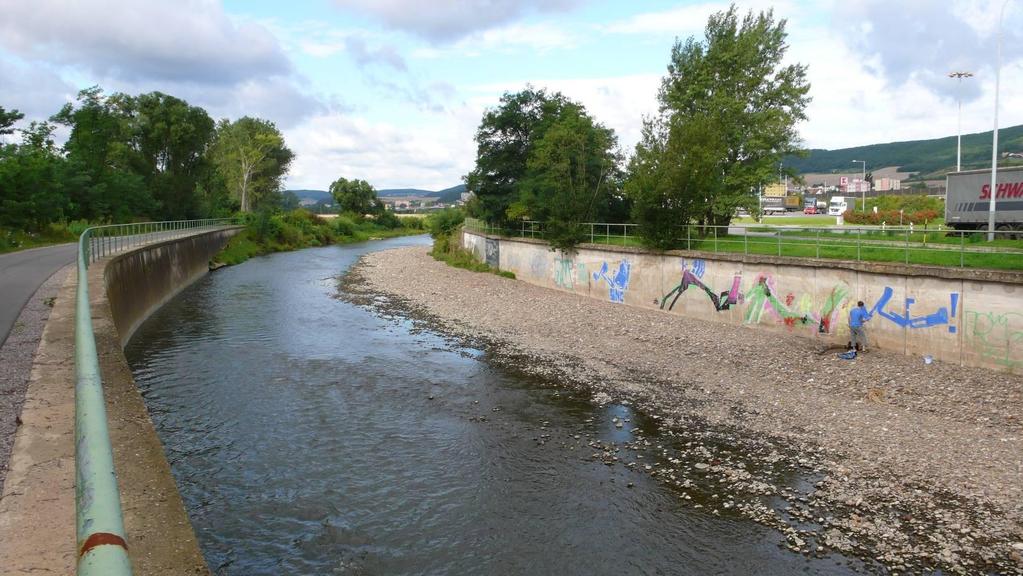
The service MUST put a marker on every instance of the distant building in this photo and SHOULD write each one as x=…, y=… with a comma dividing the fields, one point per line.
x=775, y=189
x=887, y=184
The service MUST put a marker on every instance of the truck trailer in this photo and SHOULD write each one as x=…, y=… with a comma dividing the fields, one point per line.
x=968, y=198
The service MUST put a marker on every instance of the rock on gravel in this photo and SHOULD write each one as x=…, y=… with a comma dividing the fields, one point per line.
x=918, y=467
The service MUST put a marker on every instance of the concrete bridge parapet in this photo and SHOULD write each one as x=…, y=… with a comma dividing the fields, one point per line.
x=37, y=510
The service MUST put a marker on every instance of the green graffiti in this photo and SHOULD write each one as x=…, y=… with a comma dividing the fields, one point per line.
x=831, y=305
x=998, y=338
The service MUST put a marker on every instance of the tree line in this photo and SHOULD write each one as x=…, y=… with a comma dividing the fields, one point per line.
x=727, y=115
x=127, y=158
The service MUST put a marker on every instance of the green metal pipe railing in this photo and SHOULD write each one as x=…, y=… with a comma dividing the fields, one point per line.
x=102, y=547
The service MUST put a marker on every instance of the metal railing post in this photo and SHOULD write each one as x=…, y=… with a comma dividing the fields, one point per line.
x=745, y=241
x=689, y=228
x=715, y=239
x=779, y=242
x=907, y=245
x=818, y=243
x=962, y=248
x=859, y=233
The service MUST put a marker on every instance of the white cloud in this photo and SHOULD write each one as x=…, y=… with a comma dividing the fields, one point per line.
x=444, y=21
x=618, y=102
x=855, y=102
x=433, y=155
x=189, y=40
x=36, y=91
x=691, y=19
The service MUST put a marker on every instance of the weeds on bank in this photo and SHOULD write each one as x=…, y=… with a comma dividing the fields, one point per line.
x=446, y=249
x=53, y=233
x=265, y=233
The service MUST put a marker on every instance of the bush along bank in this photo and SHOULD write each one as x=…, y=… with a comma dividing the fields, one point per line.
x=443, y=227
x=267, y=232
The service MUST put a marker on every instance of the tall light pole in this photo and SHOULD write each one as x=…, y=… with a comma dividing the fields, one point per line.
x=959, y=130
x=863, y=179
x=994, y=145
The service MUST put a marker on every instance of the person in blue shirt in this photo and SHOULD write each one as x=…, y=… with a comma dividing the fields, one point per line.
x=858, y=317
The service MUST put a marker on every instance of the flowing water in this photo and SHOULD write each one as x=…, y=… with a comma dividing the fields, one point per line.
x=308, y=435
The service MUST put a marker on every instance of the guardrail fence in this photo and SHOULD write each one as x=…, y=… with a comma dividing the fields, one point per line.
x=102, y=548
x=933, y=246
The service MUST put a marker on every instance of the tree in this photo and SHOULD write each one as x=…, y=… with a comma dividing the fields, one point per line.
x=356, y=196
x=32, y=192
x=728, y=115
x=505, y=140
x=7, y=120
x=170, y=139
x=567, y=171
x=102, y=158
x=251, y=155
x=542, y=156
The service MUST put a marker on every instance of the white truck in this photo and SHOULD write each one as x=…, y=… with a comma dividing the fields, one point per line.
x=838, y=206
x=968, y=199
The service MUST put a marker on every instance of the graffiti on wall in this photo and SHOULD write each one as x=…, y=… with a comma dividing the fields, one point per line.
x=493, y=253
x=940, y=317
x=998, y=338
x=567, y=273
x=617, y=284
x=763, y=297
x=692, y=277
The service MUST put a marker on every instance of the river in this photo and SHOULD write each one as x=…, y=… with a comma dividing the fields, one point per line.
x=309, y=435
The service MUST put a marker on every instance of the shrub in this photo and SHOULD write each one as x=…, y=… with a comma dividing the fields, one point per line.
x=444, y=222
x=344, y=226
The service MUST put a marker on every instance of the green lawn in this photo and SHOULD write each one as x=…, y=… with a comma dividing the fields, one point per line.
x=793, y=220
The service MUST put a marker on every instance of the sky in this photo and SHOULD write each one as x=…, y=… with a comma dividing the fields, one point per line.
x=392, y=91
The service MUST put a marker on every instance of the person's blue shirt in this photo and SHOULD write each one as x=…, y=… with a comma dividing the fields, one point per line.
x=858, y=316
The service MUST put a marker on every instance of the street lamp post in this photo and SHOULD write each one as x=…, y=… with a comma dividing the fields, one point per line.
x=959, y=130
x=994, y=145
x=863, y=178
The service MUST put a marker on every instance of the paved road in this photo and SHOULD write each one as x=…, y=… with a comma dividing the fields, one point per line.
x=21, y=273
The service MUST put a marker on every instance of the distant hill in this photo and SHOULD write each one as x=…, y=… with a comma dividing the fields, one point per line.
x=446, y=196
x=450, y=195
x=922, y=156
x=317, y=195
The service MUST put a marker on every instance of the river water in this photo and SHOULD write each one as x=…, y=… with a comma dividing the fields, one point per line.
x=308, y=435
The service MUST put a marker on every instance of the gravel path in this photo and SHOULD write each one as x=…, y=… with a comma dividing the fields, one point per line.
x=16, y=357
x=918, y=466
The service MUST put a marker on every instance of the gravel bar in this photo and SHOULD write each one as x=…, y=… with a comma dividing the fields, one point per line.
x=16, y=357
x=916, y=466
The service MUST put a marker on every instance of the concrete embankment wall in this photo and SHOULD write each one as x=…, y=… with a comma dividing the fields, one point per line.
x=968, y=317
x=137, y=283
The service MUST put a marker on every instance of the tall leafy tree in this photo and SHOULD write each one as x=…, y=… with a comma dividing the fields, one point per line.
x=542, y=156
x=251, y=155
x=505, y=140
x=101, y=155
x=170, y=139
x=569, y=174
x=356, y=196
x=32, y=180
x=728, y=114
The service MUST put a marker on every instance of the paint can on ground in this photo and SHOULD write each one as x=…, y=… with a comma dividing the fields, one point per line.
x=928, y=359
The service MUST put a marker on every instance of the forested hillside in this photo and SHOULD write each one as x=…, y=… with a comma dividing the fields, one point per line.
x=924, y=156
